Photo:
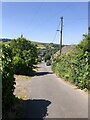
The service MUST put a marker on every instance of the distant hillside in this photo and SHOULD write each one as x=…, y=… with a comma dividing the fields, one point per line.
x=39, y=44
x=45, y=45
x=4, y=39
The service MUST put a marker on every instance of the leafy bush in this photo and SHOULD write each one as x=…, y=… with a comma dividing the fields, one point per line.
x=24, y=55
x=17, y=56
x=39, y=59
x=75, y=66
x=8, y=80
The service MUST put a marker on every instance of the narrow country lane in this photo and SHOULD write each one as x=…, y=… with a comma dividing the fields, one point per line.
x=51, y=97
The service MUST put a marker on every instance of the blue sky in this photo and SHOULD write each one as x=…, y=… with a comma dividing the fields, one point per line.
x=38, y=21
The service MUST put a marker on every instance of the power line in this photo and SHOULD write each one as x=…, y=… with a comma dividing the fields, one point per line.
x=59, y=23
x=77, y=19
x=56, y=33
x=61, y=11
x=54, y=37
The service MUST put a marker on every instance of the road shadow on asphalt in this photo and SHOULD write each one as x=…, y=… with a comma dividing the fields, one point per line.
x=30, y=109
x=36, y=108
x=42, y=73
x=34, y=73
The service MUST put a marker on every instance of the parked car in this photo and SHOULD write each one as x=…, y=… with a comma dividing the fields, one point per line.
x=48, y=63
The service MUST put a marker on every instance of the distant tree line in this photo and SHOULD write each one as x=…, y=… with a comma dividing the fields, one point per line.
x=5, y=39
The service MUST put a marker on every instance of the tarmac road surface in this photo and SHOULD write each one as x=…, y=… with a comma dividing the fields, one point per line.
x=52, y=97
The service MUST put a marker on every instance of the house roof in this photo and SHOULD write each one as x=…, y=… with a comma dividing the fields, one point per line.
x=65, y=49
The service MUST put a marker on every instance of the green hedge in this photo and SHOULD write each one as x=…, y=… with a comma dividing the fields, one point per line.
x=17, y=56
x=24, y=55
x=74, y=66
x=8, y=80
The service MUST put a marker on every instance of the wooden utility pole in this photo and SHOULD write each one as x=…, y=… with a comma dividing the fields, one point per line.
x=61, y=34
